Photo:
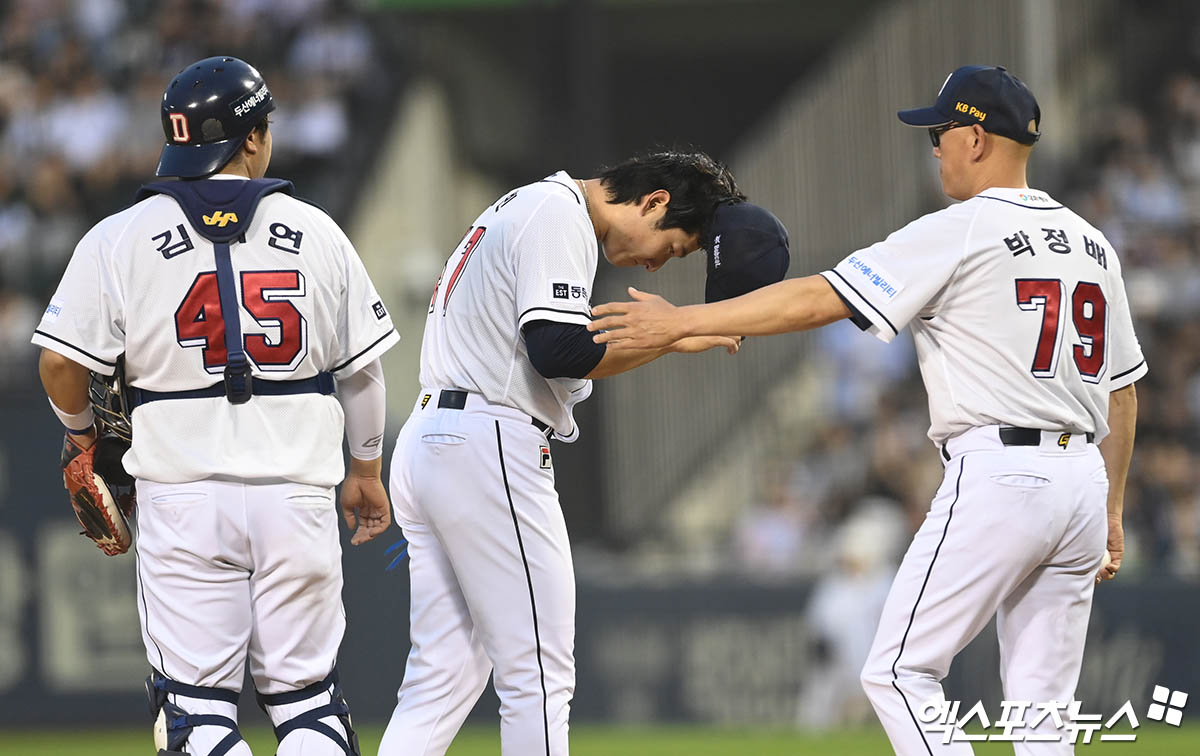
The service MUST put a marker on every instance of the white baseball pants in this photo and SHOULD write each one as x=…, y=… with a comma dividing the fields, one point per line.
x=229, y=570
x=1014, y=531
x=493, y=587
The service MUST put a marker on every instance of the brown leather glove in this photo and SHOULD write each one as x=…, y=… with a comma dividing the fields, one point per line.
x=101, y=491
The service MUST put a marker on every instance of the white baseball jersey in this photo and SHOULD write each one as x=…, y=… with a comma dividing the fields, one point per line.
x=530, y=256
x=1017, y=308
x=142, y=283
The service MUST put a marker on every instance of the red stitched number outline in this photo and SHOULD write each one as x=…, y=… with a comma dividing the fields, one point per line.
x=1089, y=313
x=472, y=239
x=199, y=321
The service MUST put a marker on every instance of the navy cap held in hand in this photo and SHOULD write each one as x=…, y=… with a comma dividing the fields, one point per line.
x=747, y=249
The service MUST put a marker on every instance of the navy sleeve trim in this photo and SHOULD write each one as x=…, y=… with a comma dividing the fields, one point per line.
x=1127, y=372
x=374, y=344
x=895, y=330
x=552, y=309
x=77, y=349
x=1018, y=204
x=564, y=186
x=856, y=317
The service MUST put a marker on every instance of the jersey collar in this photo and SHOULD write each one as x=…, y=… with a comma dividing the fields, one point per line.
x=1032, y=198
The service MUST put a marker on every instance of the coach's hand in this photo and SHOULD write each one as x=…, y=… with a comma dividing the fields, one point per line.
x=364, y=500
x=648, y=322
x=1116, y=549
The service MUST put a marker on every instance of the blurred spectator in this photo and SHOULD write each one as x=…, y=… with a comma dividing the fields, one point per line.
x=80, y=85
x=844, y=611
x=770, y=538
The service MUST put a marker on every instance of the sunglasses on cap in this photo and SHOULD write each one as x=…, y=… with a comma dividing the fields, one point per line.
x=935, y=132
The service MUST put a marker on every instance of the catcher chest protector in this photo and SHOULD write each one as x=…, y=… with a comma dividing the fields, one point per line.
x=221, y=211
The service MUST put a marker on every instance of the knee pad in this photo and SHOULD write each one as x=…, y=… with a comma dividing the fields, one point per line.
x=311, y=716
x=173, y=725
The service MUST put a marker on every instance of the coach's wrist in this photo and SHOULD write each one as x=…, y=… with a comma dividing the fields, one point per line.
x=688, y=321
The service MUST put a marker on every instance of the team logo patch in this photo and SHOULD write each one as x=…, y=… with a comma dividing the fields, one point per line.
x=380, y=312
x=53, y=310
x=425, y=400
x=546, y=463
x=220, y=219
x=1064, y=439
x=569, y=290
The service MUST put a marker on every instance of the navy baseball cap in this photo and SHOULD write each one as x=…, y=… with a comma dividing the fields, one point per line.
x=987, y=95
x=747, y=249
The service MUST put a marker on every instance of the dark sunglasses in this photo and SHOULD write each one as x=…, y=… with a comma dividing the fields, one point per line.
x=935, y=132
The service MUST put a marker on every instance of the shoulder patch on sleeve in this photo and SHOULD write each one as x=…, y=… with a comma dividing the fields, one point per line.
x=873, y=275
x=53, y=310
x=569, y=291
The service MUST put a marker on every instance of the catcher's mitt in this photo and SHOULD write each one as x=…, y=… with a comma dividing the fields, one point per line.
x=102, y=493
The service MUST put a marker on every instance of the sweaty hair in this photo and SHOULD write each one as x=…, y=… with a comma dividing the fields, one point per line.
x=696, y=182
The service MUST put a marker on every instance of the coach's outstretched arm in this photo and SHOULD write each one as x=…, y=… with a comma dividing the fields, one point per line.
x=651, y=322
x=1117, y=448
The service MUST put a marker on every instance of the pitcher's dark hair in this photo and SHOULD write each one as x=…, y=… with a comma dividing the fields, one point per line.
x=696, y=182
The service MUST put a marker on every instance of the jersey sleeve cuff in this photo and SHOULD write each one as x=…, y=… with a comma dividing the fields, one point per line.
x=877, y=323
x=1127, y=377
x=553, y=314
x=73, y=353
x=365, y=356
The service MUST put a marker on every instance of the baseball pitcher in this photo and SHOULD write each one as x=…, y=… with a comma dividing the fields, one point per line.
x=506, y=357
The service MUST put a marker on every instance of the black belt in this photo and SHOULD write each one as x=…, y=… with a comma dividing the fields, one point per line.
x=321, y=383
x=1010, y=436
x=1031, y=436
x=457, y=399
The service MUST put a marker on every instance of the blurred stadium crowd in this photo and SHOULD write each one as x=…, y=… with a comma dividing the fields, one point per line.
x=1139, y=182
x=80, y=83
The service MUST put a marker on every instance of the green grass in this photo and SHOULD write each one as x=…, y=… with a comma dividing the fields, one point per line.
x=596, y=740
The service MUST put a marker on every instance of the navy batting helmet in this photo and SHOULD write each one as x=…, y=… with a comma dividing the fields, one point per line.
x=207, y=111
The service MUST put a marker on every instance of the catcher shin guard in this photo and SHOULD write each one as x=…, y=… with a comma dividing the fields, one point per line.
x=319, y=707
x=173, y=724
x=100, y=490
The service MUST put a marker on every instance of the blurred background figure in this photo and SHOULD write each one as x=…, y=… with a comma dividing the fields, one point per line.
x=844, y=610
